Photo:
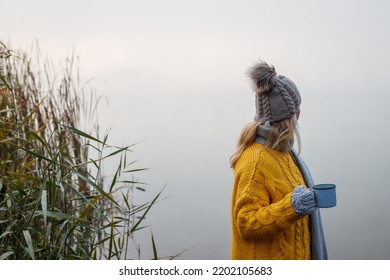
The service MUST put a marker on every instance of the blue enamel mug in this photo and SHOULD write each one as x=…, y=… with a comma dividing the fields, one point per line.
x=325, y=195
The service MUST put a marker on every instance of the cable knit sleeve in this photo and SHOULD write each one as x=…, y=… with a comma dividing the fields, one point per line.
x=255, y=221
x=263, y=207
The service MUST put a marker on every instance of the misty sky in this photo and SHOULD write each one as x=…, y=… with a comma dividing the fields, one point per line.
x=174, y=75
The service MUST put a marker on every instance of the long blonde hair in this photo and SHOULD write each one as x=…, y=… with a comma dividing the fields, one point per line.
x=281, y=137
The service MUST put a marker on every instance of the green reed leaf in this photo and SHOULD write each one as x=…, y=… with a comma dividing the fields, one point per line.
x=6, y=255
x=44, y=206
x=30, y=247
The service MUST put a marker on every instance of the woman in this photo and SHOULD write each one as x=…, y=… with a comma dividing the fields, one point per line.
x=274, y=213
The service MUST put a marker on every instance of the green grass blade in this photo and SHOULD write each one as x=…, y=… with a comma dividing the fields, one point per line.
x=135, y=170
x=44, y=206
x=30, y=247
x=155, y=257
x=114, y=179
x=6, y=255
x=124, y=149
x=39, y=156
x=144, y=214
x=111, y=240
x=95, y=186
x=125, y=199
x=24, y=176
x=4, y=234
x=83, y=134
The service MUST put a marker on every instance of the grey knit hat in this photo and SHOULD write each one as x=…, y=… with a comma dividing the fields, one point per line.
x=277, y=97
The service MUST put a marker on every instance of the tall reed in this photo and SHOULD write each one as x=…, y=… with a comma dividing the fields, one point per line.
x=55, y=200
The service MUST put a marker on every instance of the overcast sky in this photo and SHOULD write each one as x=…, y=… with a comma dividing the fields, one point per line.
x=174, y=75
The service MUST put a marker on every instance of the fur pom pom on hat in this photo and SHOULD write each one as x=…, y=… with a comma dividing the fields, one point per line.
x=277, y=97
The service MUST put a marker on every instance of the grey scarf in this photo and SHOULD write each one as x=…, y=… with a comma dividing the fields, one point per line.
x=318, y=244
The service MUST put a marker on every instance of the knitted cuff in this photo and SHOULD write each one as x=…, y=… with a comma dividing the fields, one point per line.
x=303, y=201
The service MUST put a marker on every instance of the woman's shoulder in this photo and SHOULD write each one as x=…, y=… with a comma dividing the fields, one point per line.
x=254, y=154
x=257, y=150
x=261, y=156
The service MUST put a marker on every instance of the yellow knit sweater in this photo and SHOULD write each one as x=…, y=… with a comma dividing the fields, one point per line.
x=264, y=224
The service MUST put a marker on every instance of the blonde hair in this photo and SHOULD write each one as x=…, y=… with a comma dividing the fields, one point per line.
x=281, y=137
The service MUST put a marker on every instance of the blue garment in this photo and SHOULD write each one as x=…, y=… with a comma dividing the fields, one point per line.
x=318, y=244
